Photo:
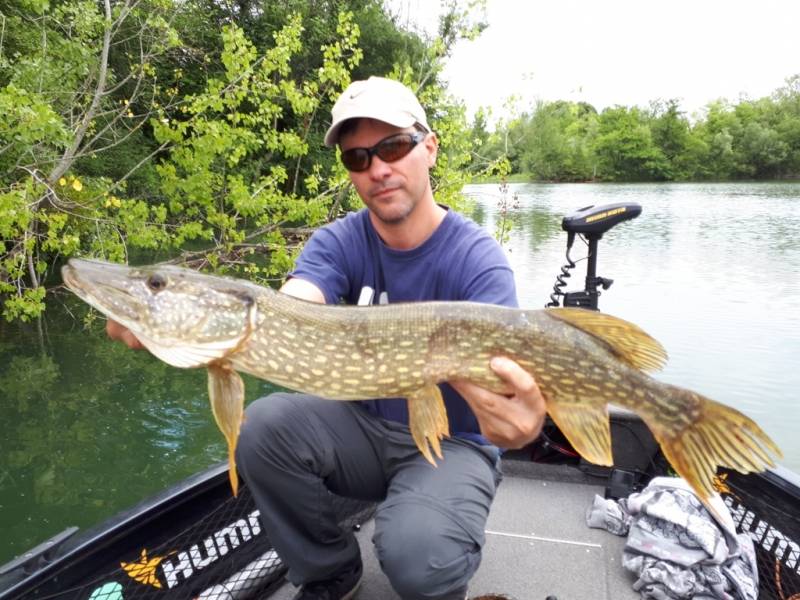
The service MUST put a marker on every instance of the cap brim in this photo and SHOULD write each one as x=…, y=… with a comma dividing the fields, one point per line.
x=393, y=118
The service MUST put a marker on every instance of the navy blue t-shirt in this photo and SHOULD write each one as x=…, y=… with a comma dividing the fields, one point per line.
x=459, y=261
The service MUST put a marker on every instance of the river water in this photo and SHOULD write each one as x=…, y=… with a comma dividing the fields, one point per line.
x=710, y=270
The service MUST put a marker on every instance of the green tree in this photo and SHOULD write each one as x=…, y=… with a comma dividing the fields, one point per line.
x=480, y=135
x=232, y=174
x=489, y=159
x=565, y=141
x=671, y=133
x=762, y=152
x=787, y=99
x=787, y=109
x=545, y=148
x=64, y=104
x=718, y=131
x=558, y=142
x=137, y=128
x=625, y=147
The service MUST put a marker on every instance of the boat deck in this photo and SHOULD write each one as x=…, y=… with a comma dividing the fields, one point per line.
x=537, y=543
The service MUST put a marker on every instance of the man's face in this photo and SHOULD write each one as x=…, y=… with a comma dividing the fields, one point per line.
x=391, y=190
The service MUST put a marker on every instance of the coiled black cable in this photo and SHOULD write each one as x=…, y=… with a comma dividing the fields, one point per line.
x=561, y=282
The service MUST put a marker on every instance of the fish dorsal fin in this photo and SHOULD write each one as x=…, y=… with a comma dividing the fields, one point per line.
x=626, y=340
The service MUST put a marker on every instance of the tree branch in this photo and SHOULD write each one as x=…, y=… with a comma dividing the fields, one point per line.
x=69, y=155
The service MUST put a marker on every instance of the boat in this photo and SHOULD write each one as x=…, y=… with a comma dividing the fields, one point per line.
x=196, y=541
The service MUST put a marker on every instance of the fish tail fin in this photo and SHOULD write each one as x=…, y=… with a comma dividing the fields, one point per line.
x=226, y=392
x=718, y=435
x=427, y=419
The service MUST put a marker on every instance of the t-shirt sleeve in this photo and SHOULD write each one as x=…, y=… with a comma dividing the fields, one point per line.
x=323, y=263
x=488, y=276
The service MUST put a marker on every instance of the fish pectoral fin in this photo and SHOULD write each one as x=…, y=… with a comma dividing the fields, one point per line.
x=427, y=418
x=226, y=392
x=586, y=426
x=625, y=340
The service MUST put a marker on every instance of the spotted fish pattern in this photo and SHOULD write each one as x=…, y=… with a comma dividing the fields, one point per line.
x=582, y=360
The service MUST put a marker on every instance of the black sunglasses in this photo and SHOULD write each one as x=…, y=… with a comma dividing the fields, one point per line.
x=388, y=150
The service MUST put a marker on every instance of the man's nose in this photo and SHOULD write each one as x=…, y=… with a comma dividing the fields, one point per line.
x=379, y=169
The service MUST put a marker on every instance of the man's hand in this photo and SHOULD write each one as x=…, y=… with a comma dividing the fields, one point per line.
x=117, y=332
x=511, y=419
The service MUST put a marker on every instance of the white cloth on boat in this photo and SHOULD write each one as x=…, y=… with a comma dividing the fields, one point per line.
x=676, y=547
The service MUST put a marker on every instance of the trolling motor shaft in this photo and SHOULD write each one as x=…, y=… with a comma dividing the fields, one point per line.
x=590, y=222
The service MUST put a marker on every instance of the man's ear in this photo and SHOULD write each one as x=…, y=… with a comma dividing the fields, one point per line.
x=432, y=146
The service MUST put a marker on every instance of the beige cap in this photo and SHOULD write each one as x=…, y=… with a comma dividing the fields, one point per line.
x=376, y=98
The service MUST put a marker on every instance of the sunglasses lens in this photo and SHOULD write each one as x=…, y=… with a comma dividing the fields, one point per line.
x=356, y=159
x=394, y=148
x=389, y=150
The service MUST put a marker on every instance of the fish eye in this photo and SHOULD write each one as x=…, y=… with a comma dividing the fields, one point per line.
x=156, y=282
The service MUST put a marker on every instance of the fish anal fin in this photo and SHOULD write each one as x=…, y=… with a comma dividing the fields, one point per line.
x=427, y=419
x=586, y=426
x=226, y=392
x=626, y=340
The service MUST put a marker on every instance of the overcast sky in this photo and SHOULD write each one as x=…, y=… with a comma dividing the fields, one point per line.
x=625, y=52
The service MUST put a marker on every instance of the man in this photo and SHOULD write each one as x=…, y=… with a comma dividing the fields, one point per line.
x=293, y=449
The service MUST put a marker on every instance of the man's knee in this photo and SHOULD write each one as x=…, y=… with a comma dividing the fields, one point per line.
x=268, y=422
x=425, y=552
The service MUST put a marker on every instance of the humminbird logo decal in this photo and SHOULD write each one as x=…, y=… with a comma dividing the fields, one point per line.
x=144, y=570
x=178, y=566
x=765, y=535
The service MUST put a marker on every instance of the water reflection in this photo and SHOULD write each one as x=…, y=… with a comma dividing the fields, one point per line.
x=91, y=427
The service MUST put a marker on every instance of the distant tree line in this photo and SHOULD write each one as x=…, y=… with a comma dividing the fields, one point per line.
x=571, y=141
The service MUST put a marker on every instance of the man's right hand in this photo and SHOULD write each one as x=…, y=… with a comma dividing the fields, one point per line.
x=118, y=332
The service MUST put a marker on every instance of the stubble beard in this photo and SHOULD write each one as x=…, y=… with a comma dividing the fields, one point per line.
x=394, y=214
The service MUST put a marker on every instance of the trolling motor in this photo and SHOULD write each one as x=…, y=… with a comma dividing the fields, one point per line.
x=590, y=223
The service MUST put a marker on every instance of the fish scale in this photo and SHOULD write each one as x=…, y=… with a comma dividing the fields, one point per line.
x=582, y=360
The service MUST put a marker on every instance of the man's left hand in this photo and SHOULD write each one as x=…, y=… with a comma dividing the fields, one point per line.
x=510, y=419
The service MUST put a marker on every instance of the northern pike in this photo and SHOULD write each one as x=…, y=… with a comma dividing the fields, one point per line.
x=582, y=360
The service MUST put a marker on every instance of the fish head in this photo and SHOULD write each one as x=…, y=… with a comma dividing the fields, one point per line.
x=186, y=318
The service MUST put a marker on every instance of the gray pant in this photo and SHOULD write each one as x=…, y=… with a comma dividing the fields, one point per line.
x=429, y=525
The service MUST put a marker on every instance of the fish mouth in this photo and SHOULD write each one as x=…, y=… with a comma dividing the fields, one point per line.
x=102, y=286
x=93, y=270
x=77, y=284
x=68, y=275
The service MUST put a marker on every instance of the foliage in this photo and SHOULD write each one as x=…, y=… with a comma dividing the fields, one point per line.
x=625, y=148
x=233, y=173
x=558, y=137
x=191, y=130
x=568, y=141
x=421, y=70
x=63, y=103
